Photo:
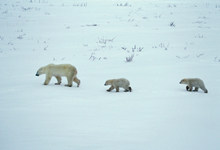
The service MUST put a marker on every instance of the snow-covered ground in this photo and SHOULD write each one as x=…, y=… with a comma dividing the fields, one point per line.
x=168, y=39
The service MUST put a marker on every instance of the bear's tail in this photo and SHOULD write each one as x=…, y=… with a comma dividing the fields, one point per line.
x=130, y=89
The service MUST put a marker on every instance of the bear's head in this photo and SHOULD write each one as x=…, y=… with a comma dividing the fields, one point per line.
x=40, y=71
x=108, y=82
x=183, y=81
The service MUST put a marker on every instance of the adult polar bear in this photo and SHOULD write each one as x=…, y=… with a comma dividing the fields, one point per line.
x=58, y=71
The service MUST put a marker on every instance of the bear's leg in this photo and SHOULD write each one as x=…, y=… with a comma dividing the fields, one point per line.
x=58, y=80
x=47, y=80
x=110, y=89
x=127, y=89
x=189, y=88
x=117, y=89
x=196, y=89
x=69, y=80
x=76, y=80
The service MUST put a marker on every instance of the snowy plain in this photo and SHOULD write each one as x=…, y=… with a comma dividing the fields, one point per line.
x=168, y=39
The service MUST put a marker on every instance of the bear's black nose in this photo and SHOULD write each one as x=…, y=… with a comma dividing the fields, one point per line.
x=37, y=74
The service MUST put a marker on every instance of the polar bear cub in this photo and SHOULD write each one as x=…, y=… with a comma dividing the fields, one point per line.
x=194, y=82
x=117, y=83
x=58, y=71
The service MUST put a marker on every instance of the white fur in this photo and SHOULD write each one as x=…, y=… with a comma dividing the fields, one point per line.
x=58, y=71
x=194, y=82
x=117, y=83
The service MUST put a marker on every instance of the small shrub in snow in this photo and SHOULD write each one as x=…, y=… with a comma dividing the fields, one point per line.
x=38, y=1
x=171, y=5
x=26, y=9
x=80, y=5
x=199, y=55
x=183, y=57
x=104, y=43
x=105, y=40
x=123, y=4
x=10, y=43
x=20, y=37
x=135, y=49
x=138, y=49
x=47, y=13
x=172, y=24
x=91, y=25
x=130, y=58
x=165, y=46
x=162, y=46
x=124, y=48
x=199, y=36
x=45, y=48
x=93, y=57
x=5, y=12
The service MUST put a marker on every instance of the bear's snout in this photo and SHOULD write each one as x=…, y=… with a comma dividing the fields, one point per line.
x=37, y=74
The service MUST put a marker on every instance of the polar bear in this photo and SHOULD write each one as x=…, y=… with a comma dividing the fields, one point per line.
x=117, y=83
x=58, y=71
x=194, y=82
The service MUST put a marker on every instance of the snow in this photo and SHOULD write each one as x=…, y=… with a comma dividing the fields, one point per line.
x=96, y=37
